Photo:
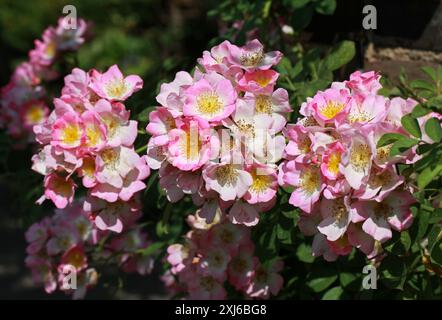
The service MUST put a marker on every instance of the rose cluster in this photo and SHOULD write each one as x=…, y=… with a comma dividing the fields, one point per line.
x=217, y=134
x=349, y=190
x=88, y=139
x=66, y=250
x=23, y=102
x=215, y=253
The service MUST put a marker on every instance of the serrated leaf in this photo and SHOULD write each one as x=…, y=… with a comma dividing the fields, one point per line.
x=341, y=54
x=411, y=125
x=433, y=129
x=422, y=84
x=430, y=72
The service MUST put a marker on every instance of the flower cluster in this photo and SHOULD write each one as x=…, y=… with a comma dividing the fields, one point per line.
x=216, y=135
x=66, y=249
x=88, y=137
x=23, y=100
x=215, y=253
x=348, y=188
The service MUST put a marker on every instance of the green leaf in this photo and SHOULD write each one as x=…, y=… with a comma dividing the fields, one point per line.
x=301, y=17
x=348, y=280
x=430, y=72
x=296, y=4
x=420, y=111
x=411, y=125
x=334, y=293
x=340, y=55
x=321, y=279
x=144, y=115
x=389, y=138
x=393, y=272
x=304, y=253
x=428, y=174
x=422, y=84
x=154, y=247
x=433, y=129
x=326, y=7
x=402, y=145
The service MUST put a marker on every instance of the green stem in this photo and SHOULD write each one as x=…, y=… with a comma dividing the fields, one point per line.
x=141, y=149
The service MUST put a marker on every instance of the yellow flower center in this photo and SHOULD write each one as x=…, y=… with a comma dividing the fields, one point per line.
x=75, y=259
x=333, y=163
x=190, y=145
x=361, y=116
x=383, y=153
x=35, y=114
x=382, y=210
x=226, y=174
x=209, y=103
x=262, y=80
x=310, y=180
x=360, y=156
x=50, y=49
x=93, y=135
x=116, y=88
x=308, y=122
x=88, y=167
x=252, y=59
x=331, y=109
x=110, y=157
x=263, y=104
x=71, y=134
x=339, y=209
x=261, y=182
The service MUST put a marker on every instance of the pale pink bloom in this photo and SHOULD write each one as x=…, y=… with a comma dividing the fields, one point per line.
x=120, y=131
x=258, y=81
x=359, y=239
x=242, y=266
x=87, y=172
x=275, y=104
x=379, y=185
x=307, y=181
x=63, y=238
x=331, y=160
x=252, y=56
x=244, y=213
x=364, y=84
x=337, y=216
x=206, y=288
x=357, y=160
x=341, y=247
x=69, y=38
x=218, y=60
x=264, y=185
x=33, y=113
x=161, y=122
x=371, y=110
x=211, y=98
x=168, y=182
x=76, y=85
x=131, y=184
x=42, y=272
x=330, y=106
x=36, y=236
x=393, y=212
x=266, y=280
x=397, y=108
x=200, y=222
x=177, y=255
x=112, y=216
x=213, y=262
x=114, y=164
x=321, y=247
x=229, y=236
x=45, y=51
x=51, y=159
x=67, y=132
x=300, y=142
x=25, y=75
x=191, y=145
x=169, y=95
x=155, y=155
x=113, y=86
x=59, y=189
x=74, y=257
x=231, y=181
x=336, y=188
x=94, y=130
